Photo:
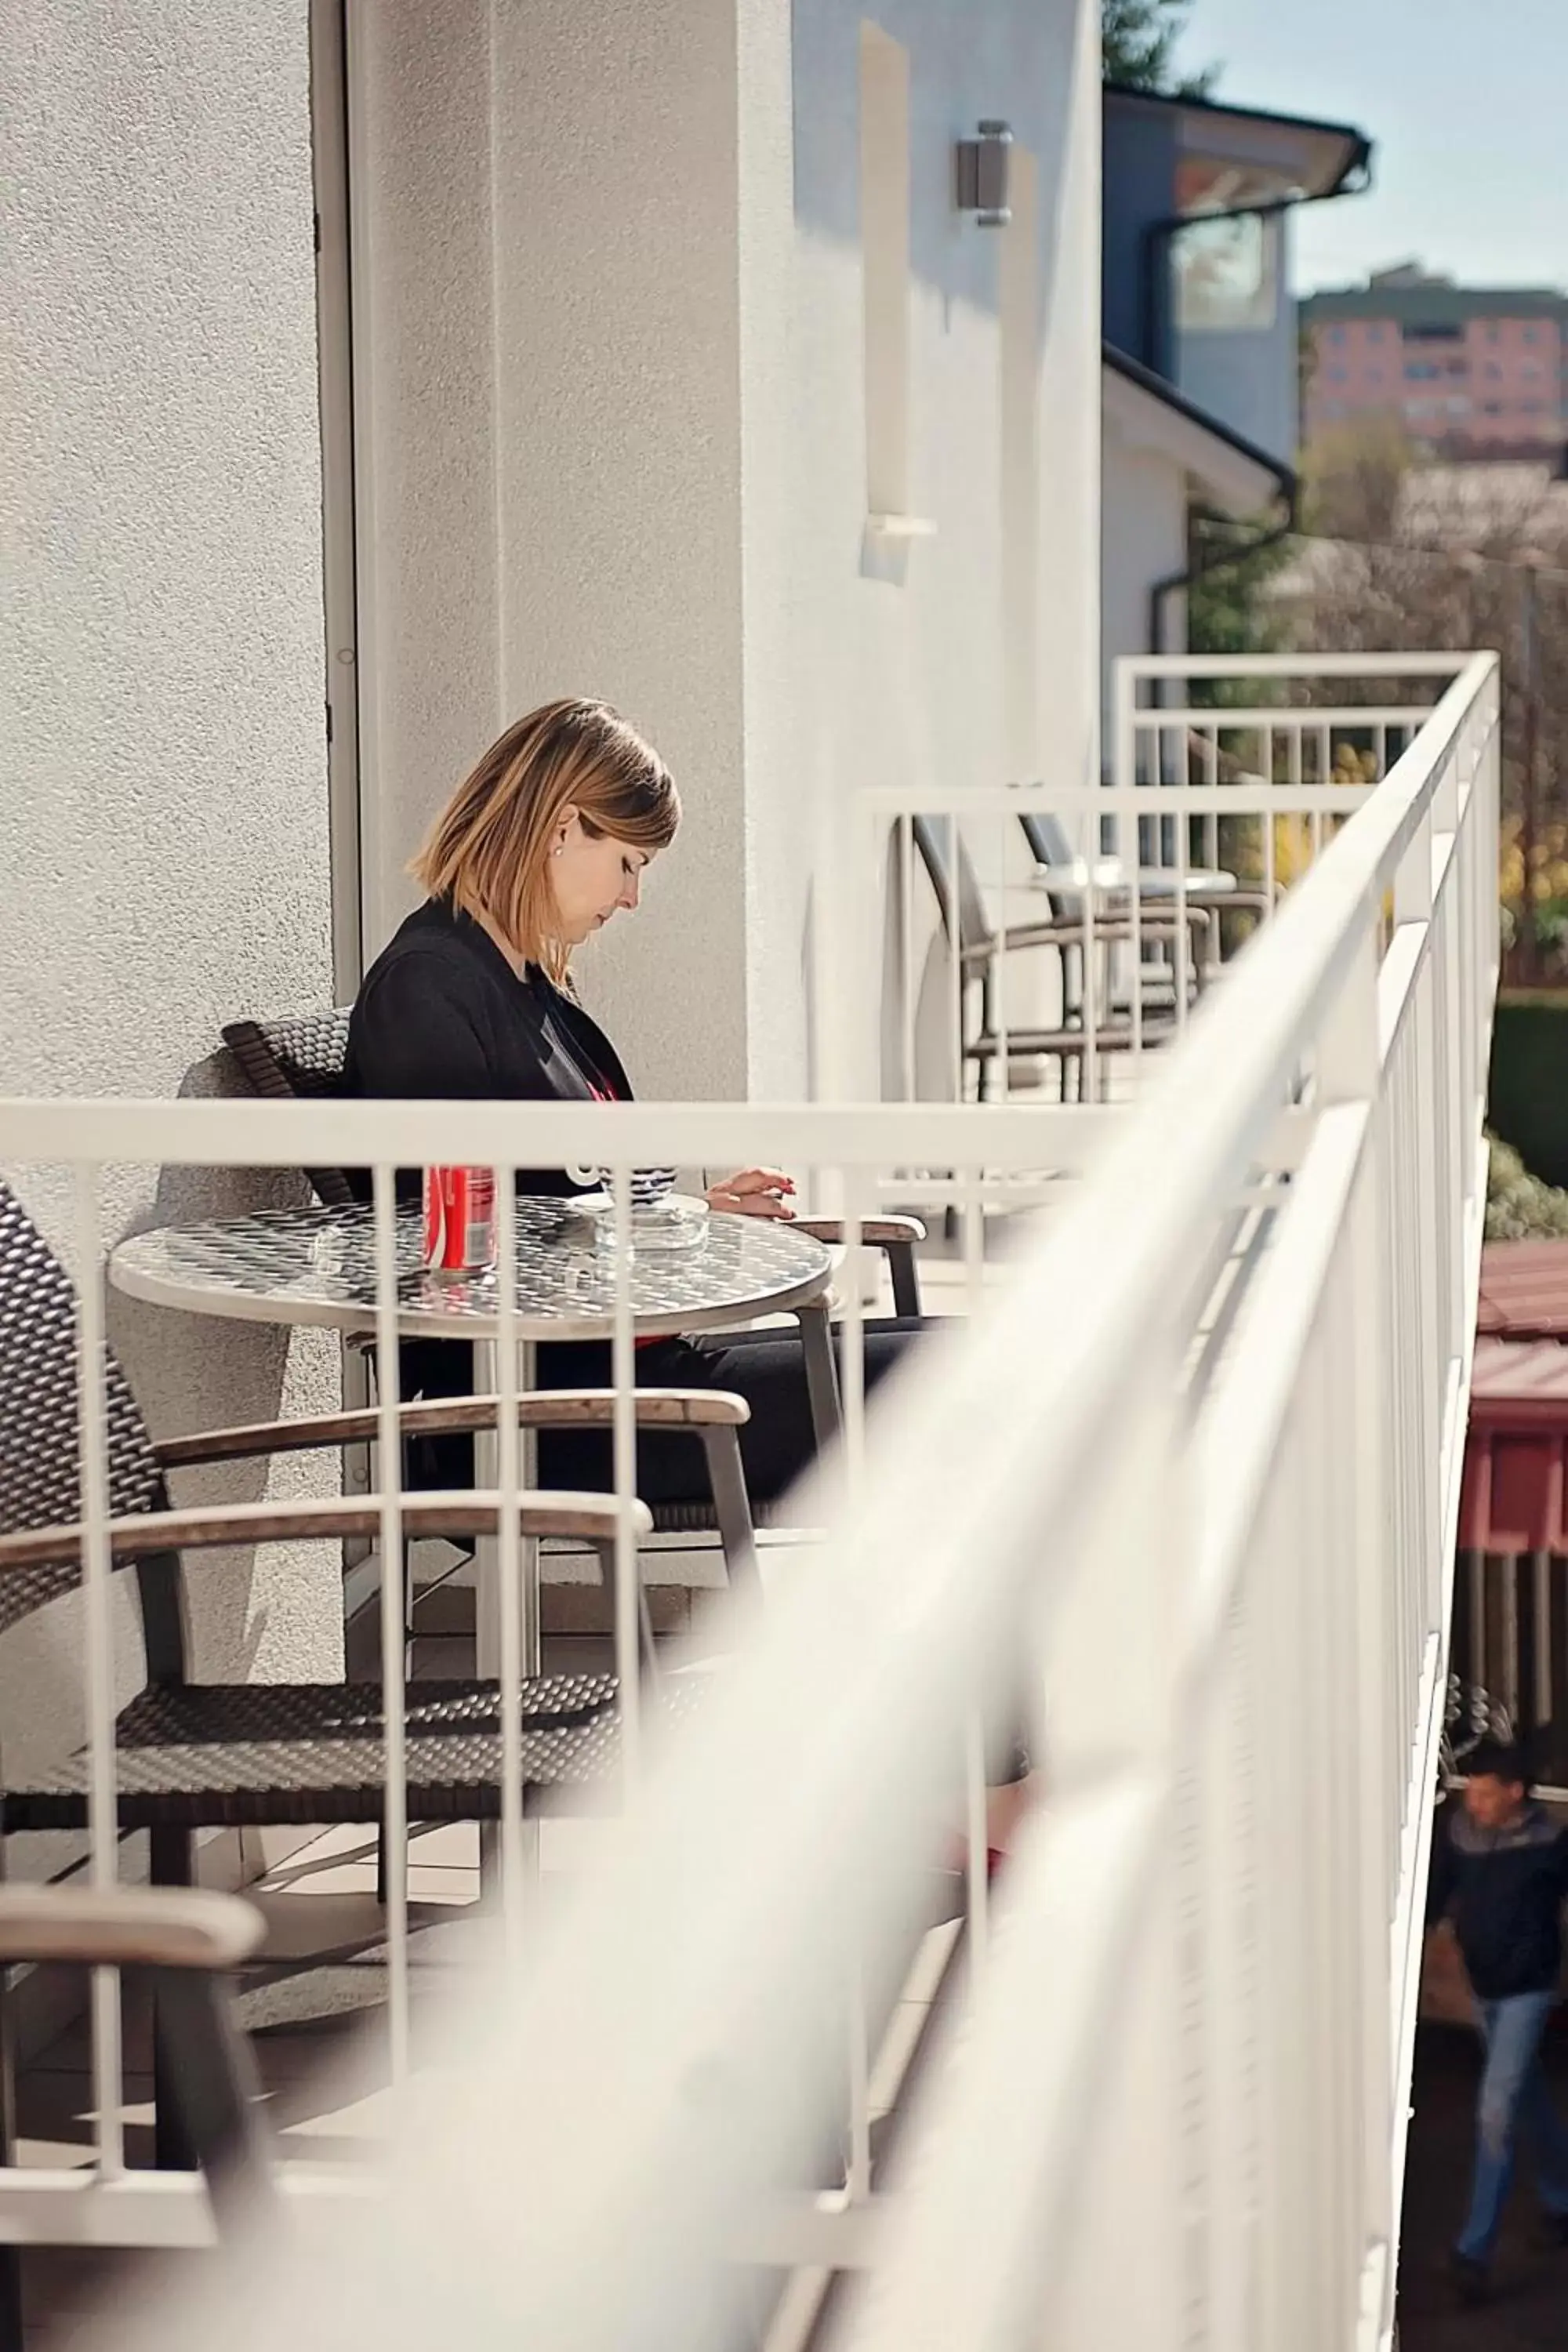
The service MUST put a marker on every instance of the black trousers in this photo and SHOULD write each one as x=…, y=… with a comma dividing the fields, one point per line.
x=767, y=1367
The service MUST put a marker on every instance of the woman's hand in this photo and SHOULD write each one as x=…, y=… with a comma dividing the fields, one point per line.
x=755, y=1193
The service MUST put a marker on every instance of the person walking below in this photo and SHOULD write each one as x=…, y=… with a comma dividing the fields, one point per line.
x=1500, y=1864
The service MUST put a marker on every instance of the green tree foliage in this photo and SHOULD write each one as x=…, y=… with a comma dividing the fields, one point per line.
x=1138, y=39
x=1228, y=607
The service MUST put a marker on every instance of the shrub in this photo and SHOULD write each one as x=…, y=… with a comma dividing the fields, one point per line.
x=1520, y=1206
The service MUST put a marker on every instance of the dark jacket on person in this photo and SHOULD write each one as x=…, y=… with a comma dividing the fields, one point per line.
x=1505, y=1888
x=442, y=1017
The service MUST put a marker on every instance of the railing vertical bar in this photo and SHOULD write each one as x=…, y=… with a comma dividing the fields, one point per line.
x=905, y=838
x=956, y=971
x=1089, y=1062
x=628, y=1573
x=977, y=1848
x=510, y=1566
x=1267, y=820
x=1327, y=777
x=97, y=1574
x=389, y=1451
x=858, y=2172
x=853, y=1335
x=1004, y=1057
x=1182, y=945
x=977, y=1842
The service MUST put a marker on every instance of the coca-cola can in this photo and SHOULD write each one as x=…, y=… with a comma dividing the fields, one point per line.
x=460, y=1219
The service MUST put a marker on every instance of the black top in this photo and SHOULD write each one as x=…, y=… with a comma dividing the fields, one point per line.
x=1505, y=1888
x=442, y=1015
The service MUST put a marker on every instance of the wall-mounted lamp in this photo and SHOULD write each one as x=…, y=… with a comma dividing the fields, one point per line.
x=982, y=175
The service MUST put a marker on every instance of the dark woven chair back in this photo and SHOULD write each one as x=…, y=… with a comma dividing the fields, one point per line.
x=39, y=1452
x=301, y=1056
x=941, y=846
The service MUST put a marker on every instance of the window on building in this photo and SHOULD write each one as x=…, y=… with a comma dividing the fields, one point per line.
x=1533, y=334
x=1492, y=332
x=1338, y=376
x=1457, y=407
x=1491, y=407
x=1493, y=371
x=1420, y=371
x=1226, y=274
x=1374, y=334
x=1374, y=375
x=1336, y=334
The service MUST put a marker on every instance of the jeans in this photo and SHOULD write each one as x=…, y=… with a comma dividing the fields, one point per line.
x=1514, y=2097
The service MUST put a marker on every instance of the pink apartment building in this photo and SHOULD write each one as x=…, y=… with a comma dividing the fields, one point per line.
x=1479, y=370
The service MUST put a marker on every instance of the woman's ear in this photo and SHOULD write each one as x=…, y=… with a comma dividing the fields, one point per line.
x=563, y=824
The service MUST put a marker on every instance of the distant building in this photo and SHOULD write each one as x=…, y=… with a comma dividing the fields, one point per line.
x=1469, y=371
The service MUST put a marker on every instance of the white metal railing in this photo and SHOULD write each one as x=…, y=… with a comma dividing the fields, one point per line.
x=1192, y=1477
x=1000, y=975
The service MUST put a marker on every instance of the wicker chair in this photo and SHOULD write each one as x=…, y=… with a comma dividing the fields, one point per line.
x=185, y=1946
x=193, y=1756
x=304, y=1055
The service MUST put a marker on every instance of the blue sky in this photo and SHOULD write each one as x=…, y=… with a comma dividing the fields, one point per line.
x=1466, y=102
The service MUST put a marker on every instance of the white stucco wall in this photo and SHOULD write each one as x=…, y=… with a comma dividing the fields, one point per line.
x=164, y=863
x=609, y=269
x=904, y=667
x=1144, y=540
x=551, y=436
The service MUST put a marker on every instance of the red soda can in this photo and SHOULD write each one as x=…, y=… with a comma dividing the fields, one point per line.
x=460, y=1219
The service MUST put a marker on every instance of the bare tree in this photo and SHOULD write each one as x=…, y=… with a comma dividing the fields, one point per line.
x=1406, y=555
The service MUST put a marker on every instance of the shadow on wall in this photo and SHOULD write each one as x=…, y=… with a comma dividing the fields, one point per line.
x=964, y=64
x=192, y=1373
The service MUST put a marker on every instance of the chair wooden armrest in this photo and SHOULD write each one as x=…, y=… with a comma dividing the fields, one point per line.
x=877, y=1232
x=127, y=1927
x=537, y=1409
x=894, y=1236
x=584, y=1518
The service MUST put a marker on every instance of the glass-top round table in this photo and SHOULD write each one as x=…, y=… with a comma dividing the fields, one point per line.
x=317, y=1265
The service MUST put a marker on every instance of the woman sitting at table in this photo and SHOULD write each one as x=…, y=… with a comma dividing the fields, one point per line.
x=546, y=840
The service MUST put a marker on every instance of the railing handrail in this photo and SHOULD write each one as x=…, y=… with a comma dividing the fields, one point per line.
x=1411, y=665
x=207, y=1133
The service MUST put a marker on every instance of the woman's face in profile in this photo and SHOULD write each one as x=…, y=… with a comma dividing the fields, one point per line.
x=592, y=877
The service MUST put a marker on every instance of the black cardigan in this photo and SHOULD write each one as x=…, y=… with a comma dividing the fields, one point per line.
x=442, y=1016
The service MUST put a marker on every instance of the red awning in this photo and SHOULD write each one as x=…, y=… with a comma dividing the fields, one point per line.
x=1516, y=1459
x=1524, y=1290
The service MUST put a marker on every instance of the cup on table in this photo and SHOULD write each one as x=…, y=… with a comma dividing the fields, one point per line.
x=650, y=1187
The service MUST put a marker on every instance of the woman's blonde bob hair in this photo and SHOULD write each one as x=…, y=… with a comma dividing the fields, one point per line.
x=489, y=850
